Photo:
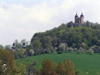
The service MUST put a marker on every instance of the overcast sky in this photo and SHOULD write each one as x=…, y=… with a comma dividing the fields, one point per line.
x=20, y=19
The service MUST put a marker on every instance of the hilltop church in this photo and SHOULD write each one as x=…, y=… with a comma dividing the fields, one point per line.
x=79, y=20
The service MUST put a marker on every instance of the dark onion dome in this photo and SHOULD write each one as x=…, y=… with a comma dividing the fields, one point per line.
x=76, y=15
x=82, y=15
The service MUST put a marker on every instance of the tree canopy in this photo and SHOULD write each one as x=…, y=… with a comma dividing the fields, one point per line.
x=80, y=35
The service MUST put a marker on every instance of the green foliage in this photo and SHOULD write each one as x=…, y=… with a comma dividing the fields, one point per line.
x=96, y=49
x=21, y=52
x=16, y=54
x=81, y=35
x=83, y=62
x=21, y=69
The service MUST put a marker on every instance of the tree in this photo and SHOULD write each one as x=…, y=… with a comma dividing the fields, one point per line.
x=7, y=63
x=16, y=54
x=21, y=69
x=18, y=45
x=60, y=68
x=31, y=51
x=21, y=52
x=46, y=41
x=8, y=47
x=74, y=45
x=1, y=46
x=37, y=44
x=48, y=67
x=88, y=34
x=83, y=45
x=62, y=46
x=30, y=70
x=70, y=68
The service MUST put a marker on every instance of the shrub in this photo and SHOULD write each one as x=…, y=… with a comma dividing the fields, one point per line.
x=80, y=50
x=96, y=49
x=62, y=46
x=90, y=51
x=83, y=45
x=70, y=49
x=75, y=49
x=31, y=51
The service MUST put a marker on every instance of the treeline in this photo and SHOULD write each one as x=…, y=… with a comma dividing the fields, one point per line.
x=18, y=49
x=68, y=35
x=63, y=68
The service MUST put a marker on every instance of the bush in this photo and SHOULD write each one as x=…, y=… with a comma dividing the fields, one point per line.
x=62, y=46
x=59, y=52
x=90, y=51
x=80, y=50
x=70, y=49
x=75, y=49
x=96, y=49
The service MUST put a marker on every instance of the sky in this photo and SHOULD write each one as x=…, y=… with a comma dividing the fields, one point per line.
x=21, y=19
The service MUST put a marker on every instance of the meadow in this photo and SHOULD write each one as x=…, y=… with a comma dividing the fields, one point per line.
x=86, y=64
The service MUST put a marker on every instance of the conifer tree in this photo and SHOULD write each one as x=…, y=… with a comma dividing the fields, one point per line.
x=70, y=68
x=48, y=67
x=60, y=68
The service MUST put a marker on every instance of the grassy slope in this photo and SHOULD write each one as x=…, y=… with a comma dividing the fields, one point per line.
x=83, y=62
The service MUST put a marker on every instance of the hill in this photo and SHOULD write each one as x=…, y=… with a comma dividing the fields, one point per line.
x=71, y=39
x=69, y=35
x=84, y=63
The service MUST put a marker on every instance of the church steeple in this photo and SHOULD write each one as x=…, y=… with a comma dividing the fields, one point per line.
x=79, y=20
x=82, y=18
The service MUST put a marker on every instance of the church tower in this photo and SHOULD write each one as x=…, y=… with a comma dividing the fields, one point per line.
x=76, y=18
x=81, y=18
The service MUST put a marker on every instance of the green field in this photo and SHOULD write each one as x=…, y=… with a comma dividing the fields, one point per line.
x=86, y=64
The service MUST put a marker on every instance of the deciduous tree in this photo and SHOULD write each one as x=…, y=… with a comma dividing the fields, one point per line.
x=7, y=63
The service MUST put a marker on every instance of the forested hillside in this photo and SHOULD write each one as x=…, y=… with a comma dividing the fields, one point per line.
x=66, y=35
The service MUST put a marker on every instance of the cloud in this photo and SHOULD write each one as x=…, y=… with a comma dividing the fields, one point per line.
x=18, y=21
